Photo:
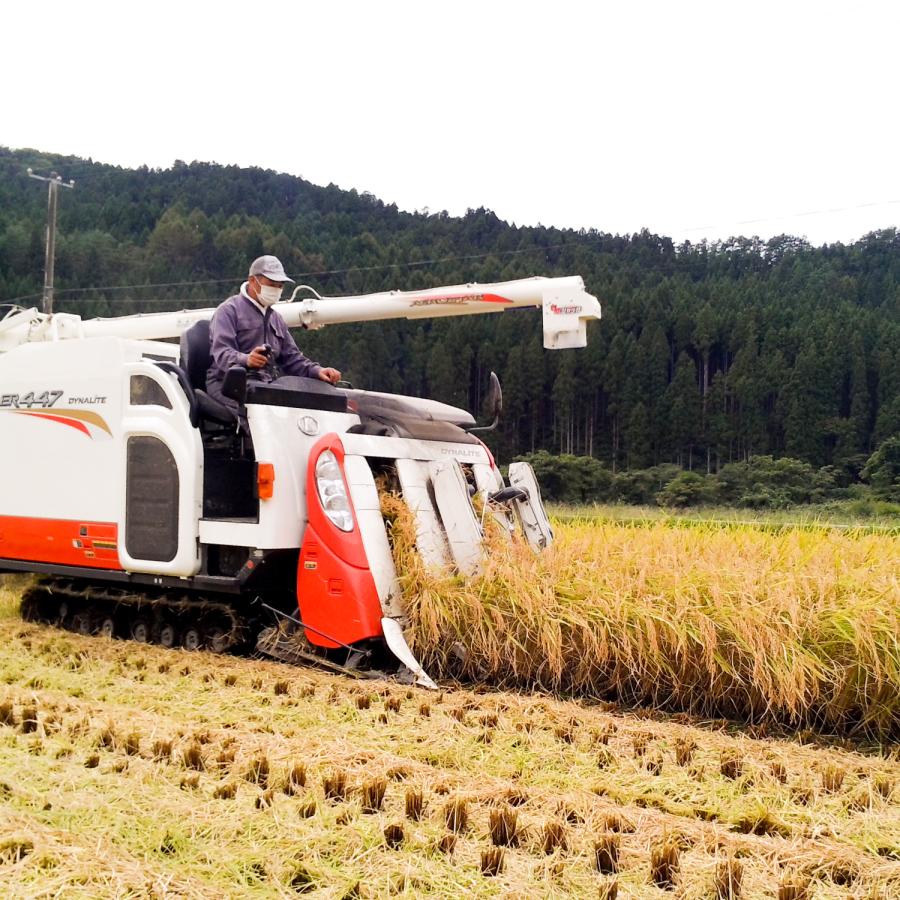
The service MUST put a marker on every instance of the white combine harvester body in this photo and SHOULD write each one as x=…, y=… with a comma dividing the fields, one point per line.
x=122, y=481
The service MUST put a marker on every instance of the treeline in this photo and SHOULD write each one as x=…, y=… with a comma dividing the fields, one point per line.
x=707, y=354
x=760, y=482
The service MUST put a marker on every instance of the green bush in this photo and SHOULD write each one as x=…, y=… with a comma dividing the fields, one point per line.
x=762, y=482
x=640, y=486
x=686, y=489
x=882, y=470
x=870, y=508
x=570, y=479
x=766, y=482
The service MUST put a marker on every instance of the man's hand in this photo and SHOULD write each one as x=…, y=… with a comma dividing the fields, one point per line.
x=257, y=358
x=332, y=376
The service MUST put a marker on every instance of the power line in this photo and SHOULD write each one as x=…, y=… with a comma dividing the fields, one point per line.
x=799, y=215
x=425, y=262
x=321, y=274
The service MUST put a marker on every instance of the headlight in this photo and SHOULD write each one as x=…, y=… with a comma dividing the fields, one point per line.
x=333, y=491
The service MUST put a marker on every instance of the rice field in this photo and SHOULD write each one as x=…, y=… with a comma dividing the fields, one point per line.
x=135, y=771
x=856, y=516
x=794, y=625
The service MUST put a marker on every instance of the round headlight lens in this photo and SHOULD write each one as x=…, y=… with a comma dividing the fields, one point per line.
x=333, y=491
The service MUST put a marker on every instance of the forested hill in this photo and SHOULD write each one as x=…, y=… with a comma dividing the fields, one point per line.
x=706, y=353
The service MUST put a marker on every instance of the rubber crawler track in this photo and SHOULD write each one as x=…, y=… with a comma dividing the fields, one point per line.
x=160, y=618
x=171, y=621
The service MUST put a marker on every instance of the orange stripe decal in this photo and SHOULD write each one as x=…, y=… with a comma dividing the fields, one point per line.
x=89, y=416
x=78, y=419
x=63, y=420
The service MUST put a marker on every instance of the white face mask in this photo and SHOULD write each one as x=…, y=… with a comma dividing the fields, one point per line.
x=267, y=295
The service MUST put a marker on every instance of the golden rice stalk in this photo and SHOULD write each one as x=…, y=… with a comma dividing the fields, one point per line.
x=684, y=750
x=503, y=826
x=393, y=835
x=373, y=792
x=833, y=778
x=653, y=764
x=795, y=625
x=640, y=741
x=515, y=796
x=731, y=763
x=29, y=722
x=615, y=823
x=664, y=859
x=14, y=849
x=609, y=889
x=335, y=785
x=7, y=713
x=456, y=814
x=795, y=886
x=227, y=791
x=162, y=749
x=728, y=878
x=884, y=785
x=492, y=861
x=258, y=771
x=446, y=844
x=192, y=757
x=414, y=804
x=553, y=837
x=606, y=853
x=296, y=778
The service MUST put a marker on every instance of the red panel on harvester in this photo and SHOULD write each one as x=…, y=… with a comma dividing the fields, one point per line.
x=335, y=597
x=63, y=542
x=336, y=592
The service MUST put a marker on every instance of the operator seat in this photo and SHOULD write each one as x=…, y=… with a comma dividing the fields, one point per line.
x=195, y=360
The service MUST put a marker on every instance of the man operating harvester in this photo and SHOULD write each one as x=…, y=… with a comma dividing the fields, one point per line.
x=244, y=331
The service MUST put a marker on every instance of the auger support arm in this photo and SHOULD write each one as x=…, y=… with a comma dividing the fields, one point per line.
x=566, y=308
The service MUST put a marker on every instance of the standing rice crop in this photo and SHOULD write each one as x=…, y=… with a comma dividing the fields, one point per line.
x=796, y=625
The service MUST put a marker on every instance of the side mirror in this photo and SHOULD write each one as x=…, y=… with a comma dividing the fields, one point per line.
x=493, y=404
x=235, y=384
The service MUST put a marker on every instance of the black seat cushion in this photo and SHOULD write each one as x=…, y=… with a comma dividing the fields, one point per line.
x=195, y=357
x=211, y=410
x=195, y=361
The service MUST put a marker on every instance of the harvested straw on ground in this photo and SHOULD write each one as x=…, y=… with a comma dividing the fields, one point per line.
x=796, y=625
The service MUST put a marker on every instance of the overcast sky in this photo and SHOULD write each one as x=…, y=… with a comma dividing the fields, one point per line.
x=692, y=119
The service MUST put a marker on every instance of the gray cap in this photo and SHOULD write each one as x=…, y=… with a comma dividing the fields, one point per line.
x=271, y=267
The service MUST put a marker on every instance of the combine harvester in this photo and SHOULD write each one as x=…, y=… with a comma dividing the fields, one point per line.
x=153, y=515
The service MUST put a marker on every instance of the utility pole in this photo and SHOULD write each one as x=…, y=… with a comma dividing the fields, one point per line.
x=54, y=182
